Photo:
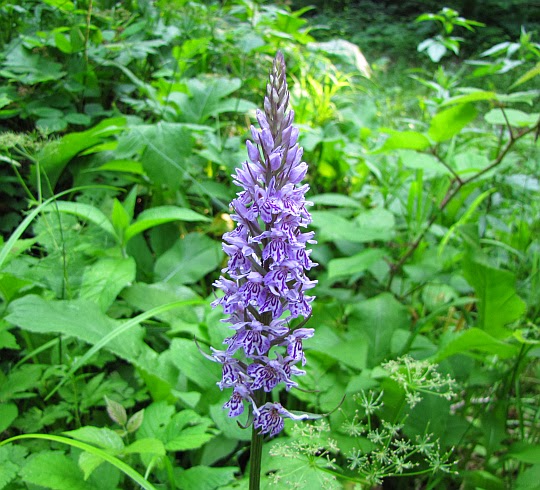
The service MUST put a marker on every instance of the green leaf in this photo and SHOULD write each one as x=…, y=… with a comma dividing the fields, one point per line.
x=101, y=437
x=526, y=453
x=450, y=122
x=204, y=478
x=516, y=118
x=209, y=98
x=8, y=413
x=126, y=469
x=422, y=161
x=80, y=319
x=156, y=419
x=116, y=412
x=499, y=304
x=376, y=319
x=128, y=166
x=103, y=281
x=338, y=200
x=472, y=95
x=373, y=225
x=529, y=75
x=189, y=260
x=12, y=458
x=51, y=125
x=410, y=140
x=146, y=446
x=186, y=356
x=351, y=352
x=168, y=147
x=56, y=154
x=54, y=470
x=475, y=340
x=349, y=266
x=160, y=215
x=84, y=211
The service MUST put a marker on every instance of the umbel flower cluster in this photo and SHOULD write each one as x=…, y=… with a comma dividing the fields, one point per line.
x=265, y=283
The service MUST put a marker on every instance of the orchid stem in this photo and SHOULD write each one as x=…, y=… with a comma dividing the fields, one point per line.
x=255, y=460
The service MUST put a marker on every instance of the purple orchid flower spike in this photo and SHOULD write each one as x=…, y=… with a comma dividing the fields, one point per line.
x=264, y=284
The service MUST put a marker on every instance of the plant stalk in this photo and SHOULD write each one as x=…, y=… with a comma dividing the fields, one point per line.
x=255, y=460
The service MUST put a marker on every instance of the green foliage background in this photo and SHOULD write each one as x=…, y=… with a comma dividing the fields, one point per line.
x=121, y=124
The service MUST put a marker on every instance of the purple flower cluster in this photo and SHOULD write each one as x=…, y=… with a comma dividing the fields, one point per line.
x=267, y=283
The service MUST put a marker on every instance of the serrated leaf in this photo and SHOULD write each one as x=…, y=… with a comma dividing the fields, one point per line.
x=204, y=478
x=135, y=421
x=146, y=446
x=54, y=470
x=116, y=411
x=88, y=462
x=103, y=281
x=98, y=436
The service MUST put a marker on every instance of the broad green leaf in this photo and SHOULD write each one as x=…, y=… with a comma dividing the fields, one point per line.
x=189, y=260
x=516, y=118
x=338, y=200
x=156, y=419
x=376, y=319
x=373, y=225
x=103, y=281
x=228, y=426
x=56, y=154
x=88, y=462
x=351, y=352
x=101, y=437
x=54, y=470
x=475, y=340
x=204, y=478
x=186, y=356
x=499, y=304
x=29, y=68
x=167, y=149
x=208, y=98
x=128, y=166
x=422, y=161
x=84, y=211
x=349, y=266
x=51, y=125
x=472, y=95
x=160, y=215
x=80, y=319
x=449, y=122
x=126, y=469
x=409, y=140
x=8, y=413
x=526, y=453
x=146, y=446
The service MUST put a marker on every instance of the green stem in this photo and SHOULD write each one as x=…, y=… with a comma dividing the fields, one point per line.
x=255, y=460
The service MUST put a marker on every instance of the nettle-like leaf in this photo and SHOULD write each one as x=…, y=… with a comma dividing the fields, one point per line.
x=180, y=431
x=116, y=411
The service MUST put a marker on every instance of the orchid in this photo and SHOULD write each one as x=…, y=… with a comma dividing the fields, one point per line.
x=265, y=285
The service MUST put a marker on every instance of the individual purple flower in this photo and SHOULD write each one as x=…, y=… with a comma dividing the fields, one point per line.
x=269, y=418
x=264, y=284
